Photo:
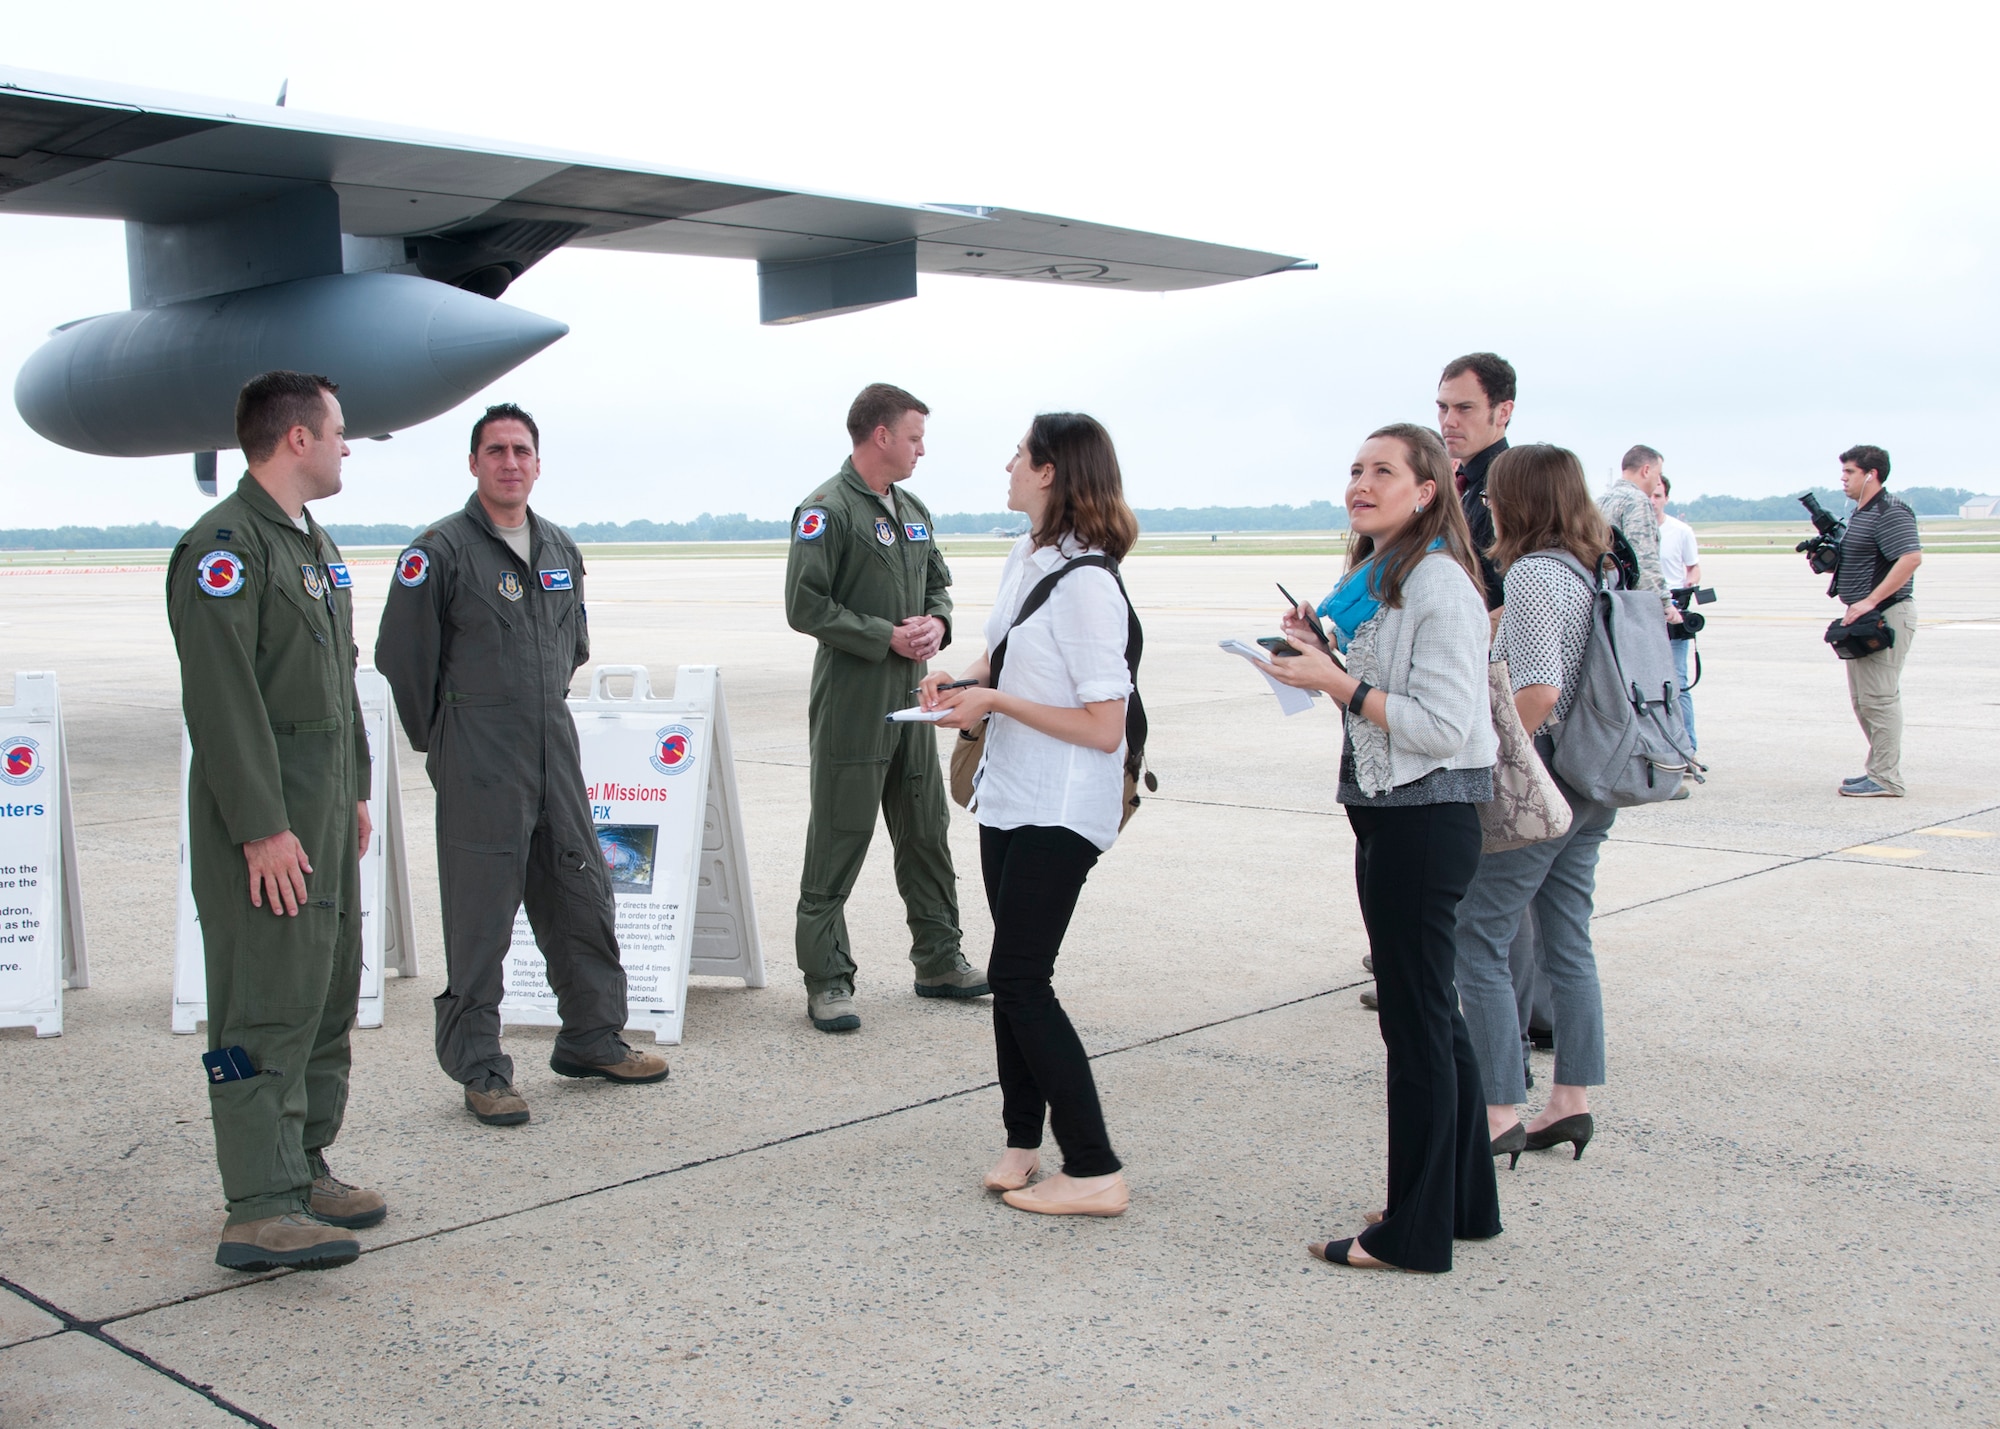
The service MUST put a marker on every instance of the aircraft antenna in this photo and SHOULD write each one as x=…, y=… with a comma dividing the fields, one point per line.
x=283, y=89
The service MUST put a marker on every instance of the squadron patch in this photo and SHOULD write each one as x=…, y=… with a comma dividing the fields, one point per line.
x=673, y=749
x=916, y=531
x=510, y=585
x=812, y=525
x=315, y=582
x=336, y=571
x=413, y=566
x=555, y=580
x=20, y=760
x=884, y=531
x=220, y=573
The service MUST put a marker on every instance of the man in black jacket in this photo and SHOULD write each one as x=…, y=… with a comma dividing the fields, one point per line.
x=1475, y=402
x=483, y=630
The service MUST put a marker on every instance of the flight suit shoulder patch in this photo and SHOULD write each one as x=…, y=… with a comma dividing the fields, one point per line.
x=220, y=573
x=413, y=567
x=812, y=523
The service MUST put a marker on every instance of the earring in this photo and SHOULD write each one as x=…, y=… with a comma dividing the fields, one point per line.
x=1420, y=508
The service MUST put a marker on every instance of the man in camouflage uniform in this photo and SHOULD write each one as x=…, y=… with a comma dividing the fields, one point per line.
x=866, y=580
x=1628, y=505
x=263, y=621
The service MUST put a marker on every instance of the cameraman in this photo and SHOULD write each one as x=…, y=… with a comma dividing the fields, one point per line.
x=1680, y=568
x=1878, y=556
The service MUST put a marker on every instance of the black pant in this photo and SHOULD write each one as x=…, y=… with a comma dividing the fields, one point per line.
x=1411, y=866
x=1033, y=877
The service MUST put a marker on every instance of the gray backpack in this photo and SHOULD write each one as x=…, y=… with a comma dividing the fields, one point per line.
x=1622, y=742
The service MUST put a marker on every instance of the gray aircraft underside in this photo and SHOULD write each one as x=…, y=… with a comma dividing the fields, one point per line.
x=259, y=237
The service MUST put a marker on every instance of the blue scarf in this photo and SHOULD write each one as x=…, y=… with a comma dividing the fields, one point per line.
x=1355, y=600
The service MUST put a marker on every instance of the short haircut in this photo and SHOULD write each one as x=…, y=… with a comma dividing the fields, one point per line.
x=1541, y=502
x=1666, y=487
x=272, y=403
x=1087, y=494
x=1439, y=524
x=506, y=412
x=1869, y=459
x=1494, y=373
x=1638, y=456
x=879, y=405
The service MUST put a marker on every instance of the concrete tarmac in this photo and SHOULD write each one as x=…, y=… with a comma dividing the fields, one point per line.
x=1789, y=1213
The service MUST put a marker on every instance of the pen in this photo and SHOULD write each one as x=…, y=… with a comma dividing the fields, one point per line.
x=954, y=685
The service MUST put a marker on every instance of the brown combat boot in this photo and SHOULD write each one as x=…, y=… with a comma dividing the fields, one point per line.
x=288, y=1242
x=496, y=1106
x=638, y=1067
x=339, y=1204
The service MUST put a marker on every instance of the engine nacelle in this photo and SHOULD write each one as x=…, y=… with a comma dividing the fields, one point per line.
x=159, y=381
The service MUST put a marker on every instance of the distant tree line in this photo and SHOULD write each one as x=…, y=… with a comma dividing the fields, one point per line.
x=1315, y=516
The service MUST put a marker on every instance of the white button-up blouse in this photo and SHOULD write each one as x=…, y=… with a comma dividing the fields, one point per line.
x=1069, y=653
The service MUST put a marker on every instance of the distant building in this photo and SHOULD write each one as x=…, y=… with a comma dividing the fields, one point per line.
x=1980, y=508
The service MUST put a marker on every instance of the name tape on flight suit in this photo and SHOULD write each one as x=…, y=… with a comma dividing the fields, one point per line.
x=337, y=572
x=916, y=531
x=555, y=580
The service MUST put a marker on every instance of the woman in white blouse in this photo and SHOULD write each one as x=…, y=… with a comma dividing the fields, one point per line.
x=1049, y=792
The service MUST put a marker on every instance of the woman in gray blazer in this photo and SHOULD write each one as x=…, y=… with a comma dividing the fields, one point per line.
x=1417, y=755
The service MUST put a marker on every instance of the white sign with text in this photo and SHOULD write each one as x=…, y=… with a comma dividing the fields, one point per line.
x=41, y=900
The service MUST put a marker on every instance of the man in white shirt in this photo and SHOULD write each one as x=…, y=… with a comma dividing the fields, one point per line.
x=1680, y=567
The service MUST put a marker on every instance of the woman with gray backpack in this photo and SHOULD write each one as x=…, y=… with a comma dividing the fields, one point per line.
x=1550, y=542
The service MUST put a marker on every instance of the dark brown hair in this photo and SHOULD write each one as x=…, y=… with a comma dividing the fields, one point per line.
x=1494, y=373
x=1869, y=459
x=1541, y=502
x=272, y=403
x=879, y=405
x=506, y=412
x=1440, y=520
x=1087, y=496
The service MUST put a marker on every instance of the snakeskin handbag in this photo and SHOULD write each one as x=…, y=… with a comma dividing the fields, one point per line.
x=1527, y=807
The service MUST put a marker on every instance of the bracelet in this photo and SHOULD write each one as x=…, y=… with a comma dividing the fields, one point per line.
x=1360, y=695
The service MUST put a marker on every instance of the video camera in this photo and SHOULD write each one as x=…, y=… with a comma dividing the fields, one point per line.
x=1822, y=552
x=1691, y=621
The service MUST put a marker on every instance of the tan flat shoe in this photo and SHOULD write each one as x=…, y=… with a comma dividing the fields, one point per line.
x=1111, y=1201
x=994, y=1181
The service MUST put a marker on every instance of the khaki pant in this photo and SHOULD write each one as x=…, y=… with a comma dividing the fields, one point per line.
x=1874, y=684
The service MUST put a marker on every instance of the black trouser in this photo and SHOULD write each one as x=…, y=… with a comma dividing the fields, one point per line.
x=1411, y=866
x=1033, y=877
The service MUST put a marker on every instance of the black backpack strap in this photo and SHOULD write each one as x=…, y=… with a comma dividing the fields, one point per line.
x=1135, y=646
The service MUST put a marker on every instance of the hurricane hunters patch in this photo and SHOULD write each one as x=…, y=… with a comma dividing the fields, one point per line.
x=413, y=566
x=336, y=571
x=916, y=531
x=812, y=525
x=510, y=585
x=555, y=580
x=220, y=573
x=885, y=532
x=315, y=582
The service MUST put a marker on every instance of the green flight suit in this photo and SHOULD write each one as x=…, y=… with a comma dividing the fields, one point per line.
x=853, y=573
x=263, y=621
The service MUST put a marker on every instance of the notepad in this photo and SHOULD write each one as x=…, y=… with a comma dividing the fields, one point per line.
x=913, y=715
x=1291, y=701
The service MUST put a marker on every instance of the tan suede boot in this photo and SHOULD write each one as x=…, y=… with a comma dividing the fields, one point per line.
x=638, y=1067
x=291, y=1241
x=339, y=1204
x=496, y=1106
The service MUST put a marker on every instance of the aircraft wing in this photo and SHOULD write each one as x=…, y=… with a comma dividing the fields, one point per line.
x=82, y=148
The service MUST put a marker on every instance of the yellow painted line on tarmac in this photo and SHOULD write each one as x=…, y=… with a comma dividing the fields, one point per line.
x=1955, y=833
x=1884, y=851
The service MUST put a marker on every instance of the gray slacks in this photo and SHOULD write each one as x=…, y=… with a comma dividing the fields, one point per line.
x=1557, y=879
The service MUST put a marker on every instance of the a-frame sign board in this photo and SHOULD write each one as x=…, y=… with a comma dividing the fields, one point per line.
x=388, y=932
x=42, y=948
x=661, y=777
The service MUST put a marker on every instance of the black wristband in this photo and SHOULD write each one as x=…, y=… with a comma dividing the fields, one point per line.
x=1355, y=700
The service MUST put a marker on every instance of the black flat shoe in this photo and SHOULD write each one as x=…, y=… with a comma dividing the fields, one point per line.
x=1513, y=1141
x=1576, y=1129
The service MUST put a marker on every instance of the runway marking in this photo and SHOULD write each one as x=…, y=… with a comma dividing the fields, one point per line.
x=1955, y=833
x=1884, y=851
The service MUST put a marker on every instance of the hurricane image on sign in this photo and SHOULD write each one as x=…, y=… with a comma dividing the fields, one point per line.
x=20, y=760
x=220, y=573
x=673, y=749
x=628, y=854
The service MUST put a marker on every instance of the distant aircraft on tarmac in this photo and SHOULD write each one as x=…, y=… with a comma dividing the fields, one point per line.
x=258, y=237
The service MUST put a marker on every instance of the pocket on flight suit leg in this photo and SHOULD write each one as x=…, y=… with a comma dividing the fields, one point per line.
x=857, y=795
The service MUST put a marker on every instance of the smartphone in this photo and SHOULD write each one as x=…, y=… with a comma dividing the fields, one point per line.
x=1277, y=645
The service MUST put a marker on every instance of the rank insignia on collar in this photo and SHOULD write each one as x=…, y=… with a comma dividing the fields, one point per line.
x=336, y=571
x=315, y=583
x=555, y=580
x=510, y=585
x=916, y=531
x=884, y=532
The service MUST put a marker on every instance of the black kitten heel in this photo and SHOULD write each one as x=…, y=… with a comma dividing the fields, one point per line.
x=1577, y=1130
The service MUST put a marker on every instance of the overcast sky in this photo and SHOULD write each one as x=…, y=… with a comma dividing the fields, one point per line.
x=1748, y=235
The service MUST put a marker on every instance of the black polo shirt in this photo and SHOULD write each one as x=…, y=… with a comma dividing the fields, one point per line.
x=1472, y=487
x=1879, y=534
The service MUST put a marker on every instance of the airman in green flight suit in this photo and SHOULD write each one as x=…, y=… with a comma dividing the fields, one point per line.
x=263, y=620
x=865, y=579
